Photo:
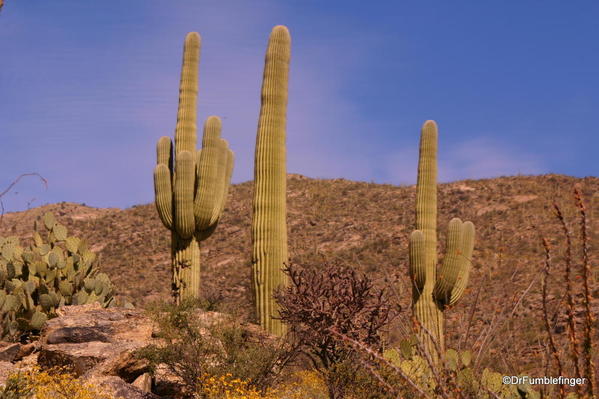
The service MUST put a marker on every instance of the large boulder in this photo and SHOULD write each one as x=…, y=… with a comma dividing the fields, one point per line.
x=92, y=340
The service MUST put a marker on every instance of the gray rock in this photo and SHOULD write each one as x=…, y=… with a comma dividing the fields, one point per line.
x=118, y=388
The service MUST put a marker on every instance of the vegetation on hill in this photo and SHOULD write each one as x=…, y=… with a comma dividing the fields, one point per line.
x=366, y=225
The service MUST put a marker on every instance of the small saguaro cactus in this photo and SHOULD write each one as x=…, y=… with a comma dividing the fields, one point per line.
x=269, y=225
x=191, y=185
x=434, y=289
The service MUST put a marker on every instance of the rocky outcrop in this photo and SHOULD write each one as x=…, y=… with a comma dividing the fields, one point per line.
x=92, y=340
x=98, y=345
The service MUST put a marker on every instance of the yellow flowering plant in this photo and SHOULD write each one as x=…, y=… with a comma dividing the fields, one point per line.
x=56, y=383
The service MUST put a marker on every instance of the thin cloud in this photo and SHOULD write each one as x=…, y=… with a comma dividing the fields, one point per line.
x=485, y=158
x=472, y=159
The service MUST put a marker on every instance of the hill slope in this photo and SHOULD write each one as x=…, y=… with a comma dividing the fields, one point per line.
x=365, y=225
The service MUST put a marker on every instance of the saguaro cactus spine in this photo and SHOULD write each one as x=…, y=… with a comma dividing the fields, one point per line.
x=434, y=290
x=269, y=225
x=191, y=185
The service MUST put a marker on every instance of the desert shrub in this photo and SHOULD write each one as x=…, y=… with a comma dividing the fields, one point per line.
x=16, y=387
x=51, y=272
x=51, y=384
x=196, y=351
x=320, y=303
x=570, y=319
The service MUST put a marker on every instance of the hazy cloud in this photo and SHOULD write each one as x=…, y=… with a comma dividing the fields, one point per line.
x=473, y=159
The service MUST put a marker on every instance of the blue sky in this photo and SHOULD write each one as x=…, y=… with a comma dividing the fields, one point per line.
x=88, y=87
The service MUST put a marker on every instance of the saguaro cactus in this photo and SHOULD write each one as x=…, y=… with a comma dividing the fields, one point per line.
x=269, y=225
x=435, y=289
x=191, y=185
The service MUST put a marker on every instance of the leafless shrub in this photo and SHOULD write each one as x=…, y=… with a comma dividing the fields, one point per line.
x=16, y=181
x=578, y=312
x=333, y=298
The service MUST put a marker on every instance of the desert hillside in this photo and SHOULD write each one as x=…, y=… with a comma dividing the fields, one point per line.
x=365, y=225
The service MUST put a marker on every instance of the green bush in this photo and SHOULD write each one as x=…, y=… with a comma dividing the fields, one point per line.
x=194, y=350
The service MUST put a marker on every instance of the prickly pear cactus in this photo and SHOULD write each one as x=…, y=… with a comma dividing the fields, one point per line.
x=269, y=225
x=54, y=271
x=191, y=185
x=435, y=288
x=456, y=368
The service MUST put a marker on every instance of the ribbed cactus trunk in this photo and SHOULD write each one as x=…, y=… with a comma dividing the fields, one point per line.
x=185, y=257
x=433, y=290
x=191, y=185
x=269, y=225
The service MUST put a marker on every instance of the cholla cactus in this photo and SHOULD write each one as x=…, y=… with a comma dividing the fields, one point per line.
x=435, y=289
x=36, y=280
x=269, y=225
x=191, y=185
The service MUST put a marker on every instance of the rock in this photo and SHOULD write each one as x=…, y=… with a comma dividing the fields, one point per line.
x=79, y=357
x=116, y=387
x=26, y=350
x=143, y=382
x=76, y=335
x=9, y=351
x=93, y=340
x=166, y=384
x=12, y=351
x=524, y=198
x=127, y=366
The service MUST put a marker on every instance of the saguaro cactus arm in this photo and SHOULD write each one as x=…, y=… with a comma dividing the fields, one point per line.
x=162, y=181
x=212, y=172
x=452, y=277
x=417, y=255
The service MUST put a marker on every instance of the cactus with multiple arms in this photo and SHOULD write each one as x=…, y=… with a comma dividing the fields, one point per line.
x=269, y=226
x=36, y=280
x=435, y=289
x=191, y=185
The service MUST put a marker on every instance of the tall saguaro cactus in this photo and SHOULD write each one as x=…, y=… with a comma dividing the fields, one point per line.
x=269, y=225
x=434, y=289
x=191, y=185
